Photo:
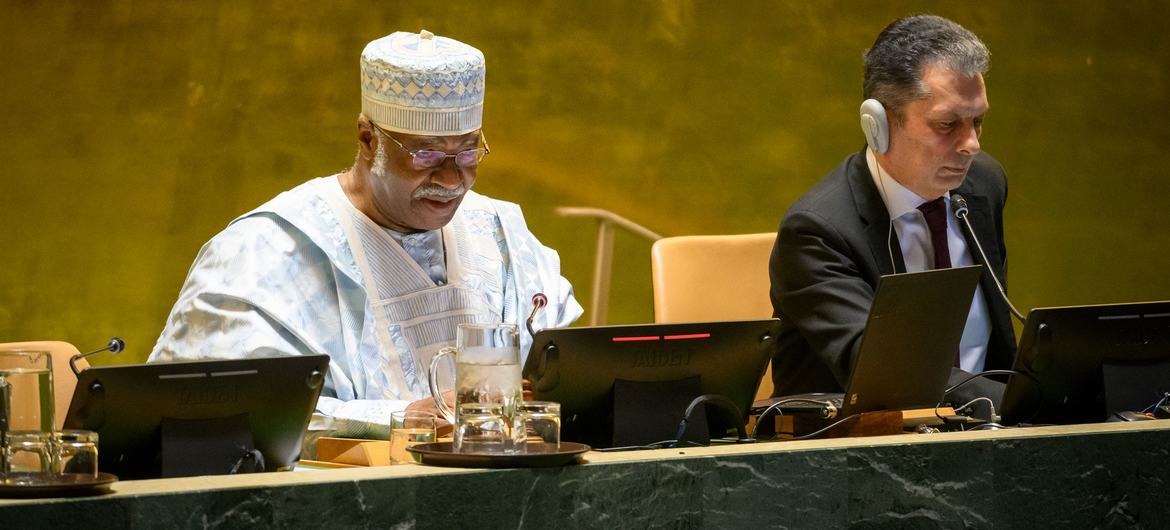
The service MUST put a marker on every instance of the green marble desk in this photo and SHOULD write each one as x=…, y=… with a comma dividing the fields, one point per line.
x=1108, y=475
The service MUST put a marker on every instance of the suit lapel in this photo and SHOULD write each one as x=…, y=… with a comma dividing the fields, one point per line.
x=883, y=242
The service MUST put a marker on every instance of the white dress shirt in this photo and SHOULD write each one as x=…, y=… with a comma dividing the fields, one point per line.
x=918, y=254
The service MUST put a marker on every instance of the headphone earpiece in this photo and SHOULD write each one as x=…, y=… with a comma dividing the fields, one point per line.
x=875, y=125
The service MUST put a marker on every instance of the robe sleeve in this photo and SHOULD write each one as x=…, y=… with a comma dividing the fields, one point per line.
x=260, y=288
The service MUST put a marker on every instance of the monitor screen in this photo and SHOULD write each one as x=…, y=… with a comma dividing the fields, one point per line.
x=196, y=418
x=581, y=368
x=1090, y=361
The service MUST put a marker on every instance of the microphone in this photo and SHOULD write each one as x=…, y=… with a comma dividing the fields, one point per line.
x=959, y=206
x=114, y=346
x=539, y=300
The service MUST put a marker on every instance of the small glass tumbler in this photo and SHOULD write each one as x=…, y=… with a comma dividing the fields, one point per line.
x=542, y=421
x=76, y=452
x=29, y=454
x=482, y=429
x=409, y=428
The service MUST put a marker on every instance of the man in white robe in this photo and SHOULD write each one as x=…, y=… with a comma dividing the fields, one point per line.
x=376, y=266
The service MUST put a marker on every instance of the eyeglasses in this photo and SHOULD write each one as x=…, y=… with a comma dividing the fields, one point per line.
x=431, y=159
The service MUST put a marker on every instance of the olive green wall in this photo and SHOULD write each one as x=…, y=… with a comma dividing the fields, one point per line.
x=135, y=130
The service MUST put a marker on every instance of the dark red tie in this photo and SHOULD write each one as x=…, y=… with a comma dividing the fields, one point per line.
x=936, y=219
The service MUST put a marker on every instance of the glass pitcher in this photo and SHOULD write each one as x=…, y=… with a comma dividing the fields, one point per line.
x=487, y=370
x=26, y=396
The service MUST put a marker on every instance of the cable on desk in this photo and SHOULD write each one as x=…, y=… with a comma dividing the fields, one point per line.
x=1154, y=407
x=828, y=411
x=661, y=444
x=824, y=429
x=986, y=373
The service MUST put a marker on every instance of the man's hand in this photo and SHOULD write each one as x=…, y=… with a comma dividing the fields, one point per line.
x=442, y=426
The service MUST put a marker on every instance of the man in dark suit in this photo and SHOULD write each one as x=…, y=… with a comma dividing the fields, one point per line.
x=887, y=209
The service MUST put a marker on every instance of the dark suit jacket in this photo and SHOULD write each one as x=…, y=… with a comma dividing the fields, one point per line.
x=830, y=251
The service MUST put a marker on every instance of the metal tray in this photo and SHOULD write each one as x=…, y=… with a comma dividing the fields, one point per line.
x=538, y=454
x=34, y=485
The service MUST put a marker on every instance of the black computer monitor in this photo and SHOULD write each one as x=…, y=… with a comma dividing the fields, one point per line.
x=1089, y=361
x=198, y=418
x=646, y=375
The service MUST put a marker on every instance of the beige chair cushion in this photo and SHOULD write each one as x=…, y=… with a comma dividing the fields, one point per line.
x=708, y=278
x=64, y=381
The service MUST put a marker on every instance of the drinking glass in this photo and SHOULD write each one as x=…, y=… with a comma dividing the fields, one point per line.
x=542, y=421
x=483, y=429
x=29, y=456
x=487, y=371
x=75, y=451
x=409, y=428
x=26, y=395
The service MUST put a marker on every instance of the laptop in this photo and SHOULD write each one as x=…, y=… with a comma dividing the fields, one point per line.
x=908, y=348
x=198, y=418
x=629, y=385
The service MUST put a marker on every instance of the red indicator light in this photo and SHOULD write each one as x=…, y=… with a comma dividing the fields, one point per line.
x=690, y=336
x=636, y=339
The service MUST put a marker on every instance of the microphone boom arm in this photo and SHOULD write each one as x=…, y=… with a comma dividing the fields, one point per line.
x=960, y=207
x=539, y=300
x=114, y=346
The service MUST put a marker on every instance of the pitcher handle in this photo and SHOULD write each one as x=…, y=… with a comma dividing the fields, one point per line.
x=5, y=415
x=437, y=394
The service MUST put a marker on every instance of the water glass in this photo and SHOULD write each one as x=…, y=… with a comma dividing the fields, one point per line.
x=75, y=451
x=28, y=454
x=409, y=428
x=483, y=429
x=542, y=421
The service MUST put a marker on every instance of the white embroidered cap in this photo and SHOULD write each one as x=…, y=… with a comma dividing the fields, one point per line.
x=420, y=83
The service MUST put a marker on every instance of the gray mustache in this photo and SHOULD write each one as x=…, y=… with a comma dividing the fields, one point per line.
x=434, y=191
